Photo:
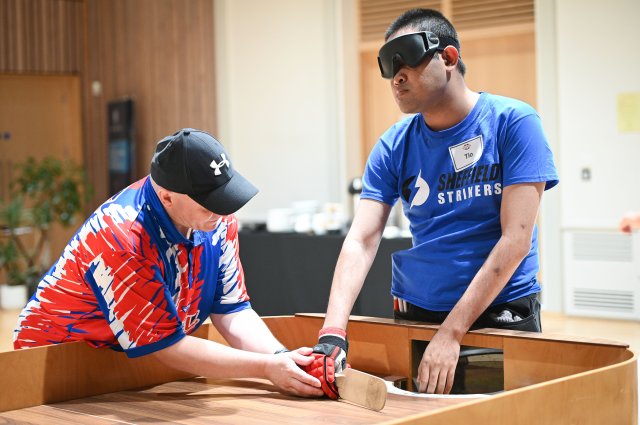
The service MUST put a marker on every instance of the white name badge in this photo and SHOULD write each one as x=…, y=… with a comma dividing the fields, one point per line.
x=466, y=153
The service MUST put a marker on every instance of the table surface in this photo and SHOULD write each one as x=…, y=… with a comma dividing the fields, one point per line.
x=577, y=381
x=206, y=401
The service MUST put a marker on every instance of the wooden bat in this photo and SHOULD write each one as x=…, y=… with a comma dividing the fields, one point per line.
x=361, y=389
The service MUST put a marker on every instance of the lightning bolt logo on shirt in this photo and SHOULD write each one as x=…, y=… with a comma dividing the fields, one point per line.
x=421, y=194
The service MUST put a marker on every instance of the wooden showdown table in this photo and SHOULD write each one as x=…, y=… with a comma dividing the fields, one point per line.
x=547, y=379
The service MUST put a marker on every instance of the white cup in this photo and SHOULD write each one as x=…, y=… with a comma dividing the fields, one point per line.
x=279, y=220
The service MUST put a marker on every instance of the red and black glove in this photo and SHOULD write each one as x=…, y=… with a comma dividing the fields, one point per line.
x=330, y=357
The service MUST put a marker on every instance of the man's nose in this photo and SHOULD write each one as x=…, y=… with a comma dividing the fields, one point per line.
x=400, y=77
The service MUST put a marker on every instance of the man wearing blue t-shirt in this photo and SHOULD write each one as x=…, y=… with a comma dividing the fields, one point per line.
x=470, y=169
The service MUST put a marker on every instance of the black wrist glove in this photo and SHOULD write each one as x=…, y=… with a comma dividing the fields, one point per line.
x=330, y=358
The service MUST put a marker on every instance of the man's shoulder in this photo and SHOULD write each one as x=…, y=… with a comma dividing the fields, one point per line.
x=509, y=106
x=230, y=225
x=117, y=220
x=129, y=199
x=402, y=130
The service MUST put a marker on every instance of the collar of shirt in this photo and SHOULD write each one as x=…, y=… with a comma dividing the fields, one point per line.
x=162, y=218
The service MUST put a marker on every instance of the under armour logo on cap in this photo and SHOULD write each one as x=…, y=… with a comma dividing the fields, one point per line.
x=183, y=162
x=217, y=166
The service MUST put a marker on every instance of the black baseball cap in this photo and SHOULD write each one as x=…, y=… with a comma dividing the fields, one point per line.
x=194, y=163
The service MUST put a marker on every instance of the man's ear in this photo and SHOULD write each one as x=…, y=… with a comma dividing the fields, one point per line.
x=450, y=56
x=165, y=197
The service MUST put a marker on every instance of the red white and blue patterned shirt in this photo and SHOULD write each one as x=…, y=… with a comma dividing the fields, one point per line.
x=131, y=281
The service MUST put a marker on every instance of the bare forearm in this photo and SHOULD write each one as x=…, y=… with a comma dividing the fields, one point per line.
x=492, y=277
x=245, y=330
x=207, y=358
x=351, y=270
x=520, y=204
x=357, y=254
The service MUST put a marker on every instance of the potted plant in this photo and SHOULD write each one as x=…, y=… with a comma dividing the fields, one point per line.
x=42, y=193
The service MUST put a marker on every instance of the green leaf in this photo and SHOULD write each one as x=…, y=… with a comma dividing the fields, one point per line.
x=41, y=193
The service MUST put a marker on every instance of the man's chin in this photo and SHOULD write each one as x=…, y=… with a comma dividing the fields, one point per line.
x=205, y=227
x=406, y=109
x=409, y=111
x=212, y=225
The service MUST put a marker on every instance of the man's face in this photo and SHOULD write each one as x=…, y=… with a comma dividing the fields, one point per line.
x=421, y=88
x=186, y=212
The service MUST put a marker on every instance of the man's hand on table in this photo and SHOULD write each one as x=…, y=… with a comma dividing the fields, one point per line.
x=286, y=373
x=438, y=365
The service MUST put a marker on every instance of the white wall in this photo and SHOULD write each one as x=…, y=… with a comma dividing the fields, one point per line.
x=588, y=53
x=550, y=240
x=598, y=58
x=286, y=103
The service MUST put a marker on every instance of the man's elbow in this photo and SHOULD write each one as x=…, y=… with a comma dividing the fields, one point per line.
x=520, y=247
x=164, y=356
x=518, y=243
x=363, y=240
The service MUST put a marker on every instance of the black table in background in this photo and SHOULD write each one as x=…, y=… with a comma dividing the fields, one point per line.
x=288, y=273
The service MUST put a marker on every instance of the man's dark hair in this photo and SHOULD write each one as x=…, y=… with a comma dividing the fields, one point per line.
x=426, y=20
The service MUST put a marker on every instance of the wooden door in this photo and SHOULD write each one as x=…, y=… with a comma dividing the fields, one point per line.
x=40, y=116
x=503, y=64
x=379, y=109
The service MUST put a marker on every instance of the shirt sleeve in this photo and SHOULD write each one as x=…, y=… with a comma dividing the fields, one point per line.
x=135, y=301
x=380, y=180
x=526, y=155
x=231, y=293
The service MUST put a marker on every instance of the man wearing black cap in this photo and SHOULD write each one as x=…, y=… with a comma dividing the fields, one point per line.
x=470, y=169
x=156, y=260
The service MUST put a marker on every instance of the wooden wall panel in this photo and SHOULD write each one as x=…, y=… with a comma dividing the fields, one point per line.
x=503, y=64
x=43, y=36
x=161, y=55
x=379, y=109
x=53, y=102
x=376, y=15
x=468, y=14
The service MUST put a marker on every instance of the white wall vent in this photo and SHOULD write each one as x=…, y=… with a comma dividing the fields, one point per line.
x=602, y=247
x=616, y=301
x=602, y=274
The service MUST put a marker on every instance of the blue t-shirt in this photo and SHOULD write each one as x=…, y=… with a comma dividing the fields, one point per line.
x=450, y=183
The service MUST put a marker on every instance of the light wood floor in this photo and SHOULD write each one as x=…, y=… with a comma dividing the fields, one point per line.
x=616, y=330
